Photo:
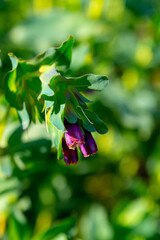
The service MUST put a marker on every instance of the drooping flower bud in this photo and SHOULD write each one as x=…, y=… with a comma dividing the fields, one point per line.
x=70, y=155
x=74, y=136
x=89, y=147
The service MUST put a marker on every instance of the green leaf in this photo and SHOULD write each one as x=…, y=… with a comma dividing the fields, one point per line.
x=6, y=166
x=49, y=103
x=63, y=226
x=30, y=104
x=133, y=212
x=34, y=84
x=24, y=117
x=55, y=119
x=0, y=60
x=64, y=55
x=12, y=92
x=88, y=81
x=95, y=224
x=73, y=99
x=46, y=93
x=55, y=134
x=18, y=228
x=87, y=124
x=15, y=137
x=80, y=97
x=61, y=56
x=9, y=185
x=69, y=112
x=14, y=61
x=61, y=93
x=96, y=121
x=48, y=75
x=60, y=150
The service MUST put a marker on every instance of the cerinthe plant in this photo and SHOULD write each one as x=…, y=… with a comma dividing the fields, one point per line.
x=38, y=88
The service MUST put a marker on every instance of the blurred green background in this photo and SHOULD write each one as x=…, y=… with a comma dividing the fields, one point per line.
x=115, y=194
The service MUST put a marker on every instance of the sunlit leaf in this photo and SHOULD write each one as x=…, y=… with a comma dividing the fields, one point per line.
x=55, y=134
x=95, y=224
x=12, y=92
x=88, y=81
x=63, y=226
x=60, y=150
x=24, y=117
x=17, y=227
x=61, y=56
x=134, y=212
x=56, y=120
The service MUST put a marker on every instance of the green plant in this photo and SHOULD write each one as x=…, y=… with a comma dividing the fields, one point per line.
x=39, y=89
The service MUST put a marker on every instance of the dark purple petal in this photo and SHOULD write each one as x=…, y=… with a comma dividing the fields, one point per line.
x=92, y=143
x=74, y=136
x=90, y=146
x=70, y=156
x=85, y=149
x=74, y=154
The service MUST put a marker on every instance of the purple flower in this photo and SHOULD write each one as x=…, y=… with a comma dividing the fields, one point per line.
x=74, y=136
x=70, y=155
x=89, y=147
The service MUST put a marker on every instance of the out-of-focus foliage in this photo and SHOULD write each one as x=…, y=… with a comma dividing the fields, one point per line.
x=115, y=194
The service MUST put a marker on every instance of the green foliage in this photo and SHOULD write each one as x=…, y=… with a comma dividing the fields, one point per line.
x=63, y=226
x=32, y=93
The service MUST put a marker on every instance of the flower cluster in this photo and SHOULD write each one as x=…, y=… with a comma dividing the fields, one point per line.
x=74, y=137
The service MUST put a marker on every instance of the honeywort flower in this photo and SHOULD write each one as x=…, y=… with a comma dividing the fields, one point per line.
x=70, y=155
x=74, y=136
x=89, y=147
